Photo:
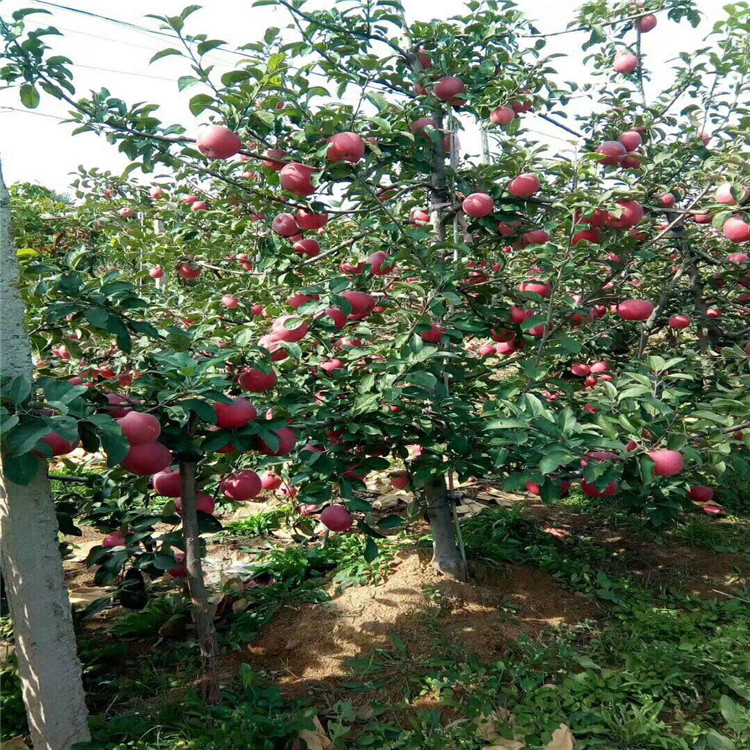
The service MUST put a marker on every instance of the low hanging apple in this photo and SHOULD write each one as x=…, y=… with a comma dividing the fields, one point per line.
x=337, y=518
x=241, y=486
x=167, y=482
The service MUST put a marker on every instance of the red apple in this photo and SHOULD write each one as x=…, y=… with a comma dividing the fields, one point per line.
x=598, y=367
x=310, y=248
x=147, y=459
x=631, y=214
x=449, y=89
x=290, y=328
x=378, y=260
x=274, y=153
x=346, y=147
x=724, y=194
x=361, y=302
x=434, y=334
x=644, y=24
x=244, y=485
x=400, y=480
x=167, y=482
x=635, y=309
x=296, y=178
x=667, y=463
x=625, y=62
x=525, y=185
x=502, y=116
x=613, y=152
x=679, y=321
x=581, y=370
x=60, y=446
x=591, y=490
x=310, y=221
x=666, y=199
x=199, y=206
x=631, y=139
x=537, y=237
x=271, y=481
x=203, y=502
x=478, y=205
x=288, y=439
x=115, y=539
x=699, y=493
x=126, y=213
x=235, y=415
x=257, y=381
x=140, y=428
x=593, y=235
x=230, y=301
x=157, y=272
x=285, y=225
x=337, y=518
x=156, y=193
x=419, y=126
x=537, y=286
x=736, y=230
x=218, y=142
x=189, y=270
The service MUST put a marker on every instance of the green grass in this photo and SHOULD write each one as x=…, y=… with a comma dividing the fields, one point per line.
x=659, y=670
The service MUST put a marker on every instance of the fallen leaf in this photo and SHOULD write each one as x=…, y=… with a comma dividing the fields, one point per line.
x=317, y=739
x=17, y=743
x=562, y=739
x=82, y=549
x=365, y=712
x=7, y=649
x=391, y=500
x=82, y=596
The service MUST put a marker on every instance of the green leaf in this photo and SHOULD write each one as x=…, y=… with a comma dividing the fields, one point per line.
x=18, y=389
x=114, y=443
x=717, y=741
x=97, y=316
x=734, y=714
x=207, y=524
x=184, y=82
x=29, y=96
x=165, y=53
x=22, y=469
x=25, y=436
x=392, y=521
x=200, y=102
x=422, y=378
x=371, y=549
x=553, y=461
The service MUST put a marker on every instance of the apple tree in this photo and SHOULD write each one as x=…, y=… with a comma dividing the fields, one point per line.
x=330, y=283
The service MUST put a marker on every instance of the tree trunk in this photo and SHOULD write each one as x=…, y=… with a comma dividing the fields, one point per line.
x=446, y=554
x=202, y=615
x=37, y=596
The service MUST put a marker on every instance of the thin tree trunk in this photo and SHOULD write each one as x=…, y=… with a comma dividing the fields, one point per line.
x=202, y=614
x=37, y=596
x=446, y=554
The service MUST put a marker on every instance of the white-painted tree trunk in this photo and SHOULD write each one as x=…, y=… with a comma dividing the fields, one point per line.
x=32, y=567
